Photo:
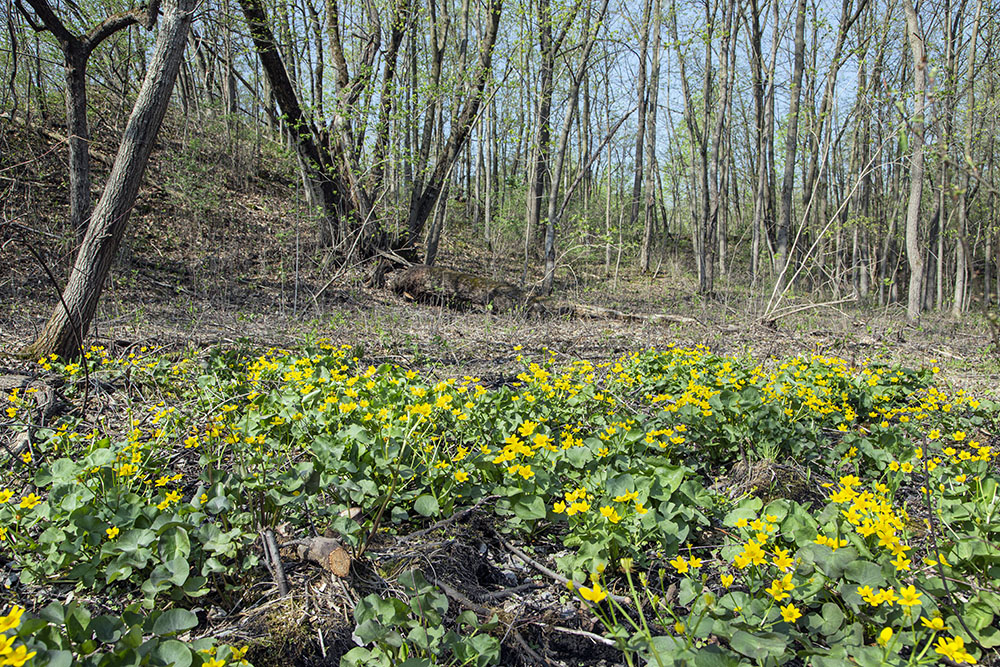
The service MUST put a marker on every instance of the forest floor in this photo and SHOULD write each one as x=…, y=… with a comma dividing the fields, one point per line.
x=219, y=248
x=215, y=258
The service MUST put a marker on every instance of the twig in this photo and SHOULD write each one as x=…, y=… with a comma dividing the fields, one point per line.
x=461, y=598
x=457, y=516
x=581, y=633
x=530, y=651
x=271, y=548
x=552, y=574
x=507, y=592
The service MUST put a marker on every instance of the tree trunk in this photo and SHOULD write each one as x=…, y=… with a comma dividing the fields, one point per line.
x=553, y=213
x=643, y=96
x=76, y=50
x=78, y=131
x=66, y=329
x=649, y=180
x=963, y=196
x=791, y=145
x=914, y=252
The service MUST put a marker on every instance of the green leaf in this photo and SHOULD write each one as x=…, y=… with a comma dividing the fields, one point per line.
x=833, y=619
x=174, y=621
x=758, y=646
x=427, y=505
x=989, y=637
x=56, y=658
x=107, y=629
x=715, y=656
x=174, y=653
x=174, y=543
x=865, y=573
x=978, y=614
x=530, y=507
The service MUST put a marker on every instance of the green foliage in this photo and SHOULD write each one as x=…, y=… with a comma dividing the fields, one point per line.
x=412, y=632
x=620, y=461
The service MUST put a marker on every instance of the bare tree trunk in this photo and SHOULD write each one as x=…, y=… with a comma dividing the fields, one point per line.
x=552, y=217
x=423, y=202
x=791, y=146
x=642, y=101
x=914, y=252
x=963, y=196
x=76, y=50
x=650, y=127
x=67, y=327
x=730, y=31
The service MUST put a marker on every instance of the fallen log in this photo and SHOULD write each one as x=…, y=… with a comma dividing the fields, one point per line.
x=455, y=289
x=326, y=552
x=446, y=287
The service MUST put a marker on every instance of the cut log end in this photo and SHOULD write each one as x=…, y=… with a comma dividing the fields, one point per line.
x=326, y=552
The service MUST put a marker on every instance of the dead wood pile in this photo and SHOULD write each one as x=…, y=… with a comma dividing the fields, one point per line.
x=447, y=287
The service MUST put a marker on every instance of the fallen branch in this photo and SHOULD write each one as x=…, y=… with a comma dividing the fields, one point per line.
x=457, y=516
x=580, y=633
x=552, y=574
x=440, y=286
x=507, y=592
x=274, y=560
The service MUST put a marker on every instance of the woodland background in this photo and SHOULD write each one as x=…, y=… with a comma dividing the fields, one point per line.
x=832, y=152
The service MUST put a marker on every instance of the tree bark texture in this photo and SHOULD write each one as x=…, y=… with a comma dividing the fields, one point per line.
x=67, y=327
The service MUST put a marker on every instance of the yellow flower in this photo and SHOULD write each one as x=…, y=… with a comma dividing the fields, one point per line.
x=884, y=636
x=754, y=553
x=611, y=514
x=790, y=613
x=936, y=623
x=640, y=509
x=680, y=564
x=527, y=428
x=29, y=501
x=215, y=662
x=112, y=532
x=901, y=562
x=777, y=591
x=694, y=561
x=909, y=596
x=954, y=649
x=559, y=507
x=887, y=595
x=626, y=497
x=727, y=580
x=679, y=628
x=461, y=476
x=6, y=495
x=782, y=560
x=18, y=656
x=595, y=594
x=12, y=619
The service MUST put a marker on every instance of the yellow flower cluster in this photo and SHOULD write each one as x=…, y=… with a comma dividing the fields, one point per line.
x=576, y=502
x=907, y=597
x=9, y=655
x=872, y=513
x=954, y=650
